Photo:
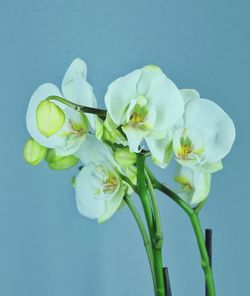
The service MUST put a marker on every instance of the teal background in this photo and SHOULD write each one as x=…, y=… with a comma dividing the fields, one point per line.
x=46, y=247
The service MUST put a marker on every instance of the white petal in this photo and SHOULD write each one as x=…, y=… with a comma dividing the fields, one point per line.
x=161, y=150
x=119, y=94
x=161, y=93
x=189, y=94
x=210, y=167
x=40, y=94
x=112, y=205
x=87, y=204
x=214, y=123
x=196, y=185
x=75, y=87
x=134, y=136
x=93, y=150
x=202, y=183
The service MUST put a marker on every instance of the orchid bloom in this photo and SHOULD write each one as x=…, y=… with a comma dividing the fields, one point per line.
x=73, y=130
x=206, y=135
x=145, y=104
x=195, y=186
x=99, y=186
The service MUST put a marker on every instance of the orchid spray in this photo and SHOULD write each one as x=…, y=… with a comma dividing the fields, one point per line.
x=146, y=117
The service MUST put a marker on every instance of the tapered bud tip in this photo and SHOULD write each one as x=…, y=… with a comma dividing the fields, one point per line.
x=124, y=157
x=33, y=152
x=49, y=118
x=57, y=162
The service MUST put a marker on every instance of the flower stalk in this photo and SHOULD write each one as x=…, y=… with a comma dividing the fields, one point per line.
x=99, y=112
x=194, y=218
x=145, y=237
x=153, y=222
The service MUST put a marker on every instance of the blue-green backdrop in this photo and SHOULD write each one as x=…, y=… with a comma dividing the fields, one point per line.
x=46, y=247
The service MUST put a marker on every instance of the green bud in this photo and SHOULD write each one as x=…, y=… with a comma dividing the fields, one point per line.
x=98, y=128
x=49, y=118
x=124, y=157
x=56, y=162
x=110, y=133
x=33, y=152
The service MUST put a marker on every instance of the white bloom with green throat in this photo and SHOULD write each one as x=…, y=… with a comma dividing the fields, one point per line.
x=206, y=136
x=195, y=186
x=99, y=186
x=145, y=103
x=53, y=124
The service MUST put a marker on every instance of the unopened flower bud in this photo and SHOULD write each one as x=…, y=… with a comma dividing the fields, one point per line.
x=33, y=152
x=57, y=162
x=49, y=118
x=124, y=157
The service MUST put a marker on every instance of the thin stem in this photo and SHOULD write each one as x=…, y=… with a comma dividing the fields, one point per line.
x=157, y=185
x=146, y=240
x=193, y=215
x=100, y=112
x=127, y=180
x=158, y=227
x=142, y=191
x=205, y=261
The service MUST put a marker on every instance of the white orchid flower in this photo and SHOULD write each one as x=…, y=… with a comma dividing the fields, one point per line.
x=99, y=186
x=145, y=103
x=76, y=89
x=206, y=136
x=195, y=186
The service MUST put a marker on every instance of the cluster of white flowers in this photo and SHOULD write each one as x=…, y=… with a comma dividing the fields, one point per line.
x=145, y=111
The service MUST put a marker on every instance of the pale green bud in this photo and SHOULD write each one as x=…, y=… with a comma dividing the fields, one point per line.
x=33, y=152
x=124, y=157
x=49, y=118
x=56, y=162
x=110, y=133
x=98, y=128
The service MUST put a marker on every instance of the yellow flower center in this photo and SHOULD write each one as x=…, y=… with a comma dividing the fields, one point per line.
x=137, y=118
x=110, y=184
x=76, y=128
x=184, y=151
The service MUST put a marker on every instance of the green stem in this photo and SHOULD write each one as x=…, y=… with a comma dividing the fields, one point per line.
x=193, y=215
x=100, y=112
x=142, y=192
x=156, y=244
x=204, y=255
x=158, y=227
x=157, y=185
x=146, y=240
x=130, y=183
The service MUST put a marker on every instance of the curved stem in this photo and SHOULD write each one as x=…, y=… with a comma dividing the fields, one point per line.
x=158, y=227
x=100, y=112
x=205, y=262
x=127, y=180
x=157, y=185
x=142, y=191
x=193, y=215
x=146, y=240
